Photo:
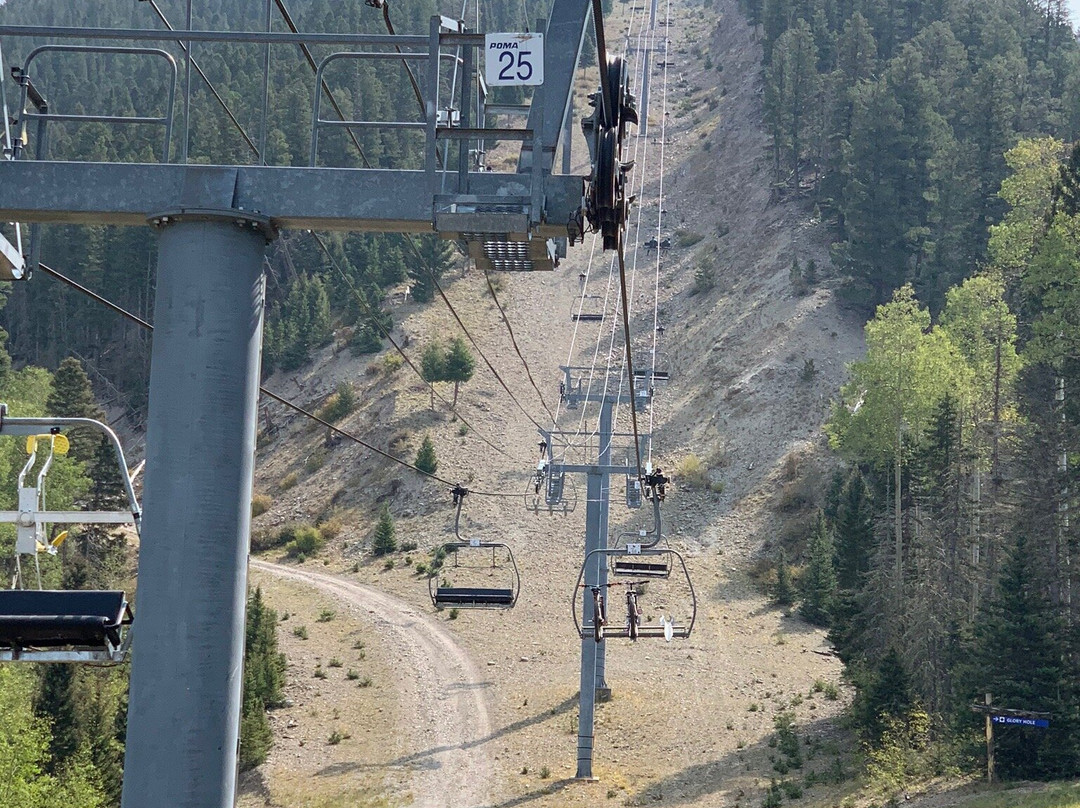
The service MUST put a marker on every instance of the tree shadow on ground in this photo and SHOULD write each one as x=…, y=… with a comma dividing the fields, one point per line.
x=535, y=794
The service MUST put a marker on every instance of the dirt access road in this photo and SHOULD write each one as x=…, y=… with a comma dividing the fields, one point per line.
x=441, y=692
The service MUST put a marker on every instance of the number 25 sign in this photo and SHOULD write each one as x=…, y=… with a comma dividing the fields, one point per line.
x=513, y=59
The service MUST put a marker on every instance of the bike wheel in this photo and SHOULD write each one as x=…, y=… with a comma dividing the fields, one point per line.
x=599, y=618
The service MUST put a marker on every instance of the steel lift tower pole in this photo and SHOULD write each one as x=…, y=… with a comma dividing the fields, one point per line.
x=592, y=681
x=200, y=438
x=593, y=685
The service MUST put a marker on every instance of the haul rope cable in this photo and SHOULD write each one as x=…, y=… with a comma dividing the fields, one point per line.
x=573, y=442
x=629, y=363
x=280, y=399
x=660, y=211
x=619, y=246
x=639, y=172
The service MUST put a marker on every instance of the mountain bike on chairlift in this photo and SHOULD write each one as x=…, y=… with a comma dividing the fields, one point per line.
x=633, y=610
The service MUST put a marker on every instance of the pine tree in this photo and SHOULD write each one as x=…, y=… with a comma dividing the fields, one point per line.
x=429, y=263
x=1068, y=189
x=103, y=547
x=792, y=84
x=784, y=593
x=433, y=367
x=56, y=702
x=1020, y=658
x=854, y=533
x=833, y=496
x=888, y=696
x=385, y=540
x=818, y=582
x=71, y=396
x=264, y=672
x=459, y=365
x=425, y=456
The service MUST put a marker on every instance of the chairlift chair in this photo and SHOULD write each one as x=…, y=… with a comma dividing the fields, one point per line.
x=503, y=596
x=588, y=309
x=472, y=596
x=38, y=625
x=640, y=562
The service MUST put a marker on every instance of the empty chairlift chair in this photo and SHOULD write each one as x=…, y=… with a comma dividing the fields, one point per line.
x=588, y=309
x=38, y=625
x=460, y=583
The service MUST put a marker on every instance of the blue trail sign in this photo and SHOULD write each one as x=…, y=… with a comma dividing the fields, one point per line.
x=1022, y=721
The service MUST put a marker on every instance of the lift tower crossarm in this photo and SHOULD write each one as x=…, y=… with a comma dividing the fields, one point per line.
x=344, y=199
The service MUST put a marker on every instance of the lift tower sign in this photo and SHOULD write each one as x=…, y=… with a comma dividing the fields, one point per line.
x=513, y=59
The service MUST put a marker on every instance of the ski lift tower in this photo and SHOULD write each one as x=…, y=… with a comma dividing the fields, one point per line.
x=578, y=391
x=213, y=224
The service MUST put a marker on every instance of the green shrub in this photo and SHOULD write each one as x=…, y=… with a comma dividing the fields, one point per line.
x=316, y=460
x=704, y=277
x=339, y=403
x=334, y=663
x=306, y=540
x=301, y=632
x=263, y=540
x=687, y=238
x=260, y=504
x=288, y=481
x=326, y=615
x=392, y=362
x=337, y=737
x=352, y=675
x=691, y=470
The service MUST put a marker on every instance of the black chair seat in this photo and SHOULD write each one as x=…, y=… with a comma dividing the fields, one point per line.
x=461, y=596
x=58, y=618
x=648, y=569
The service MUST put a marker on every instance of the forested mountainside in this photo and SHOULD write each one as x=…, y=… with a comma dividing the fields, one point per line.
x=894, y=118
x=934, y=138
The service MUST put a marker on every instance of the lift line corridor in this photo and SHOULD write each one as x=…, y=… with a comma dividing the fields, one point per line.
x=213, y=224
